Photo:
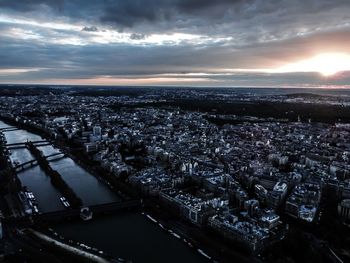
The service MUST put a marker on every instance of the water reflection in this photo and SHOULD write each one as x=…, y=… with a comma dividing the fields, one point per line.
x=131, y=236
x=39, y=183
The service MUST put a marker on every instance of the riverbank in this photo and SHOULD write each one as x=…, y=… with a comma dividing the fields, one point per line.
x=10, y=185
x=213, y=245
x=78, y=254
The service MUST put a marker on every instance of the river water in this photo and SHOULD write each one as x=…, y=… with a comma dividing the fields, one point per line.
x=87, y=187
x=128, y=235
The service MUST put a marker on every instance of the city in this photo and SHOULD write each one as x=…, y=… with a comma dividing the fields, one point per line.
x=177, y=131
x=245, y=183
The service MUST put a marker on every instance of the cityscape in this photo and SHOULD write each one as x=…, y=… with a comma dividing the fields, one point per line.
x=195, y=131
x=261, y=187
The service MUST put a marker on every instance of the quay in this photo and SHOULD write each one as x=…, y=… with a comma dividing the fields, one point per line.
x=95, y=209
x=71, y=250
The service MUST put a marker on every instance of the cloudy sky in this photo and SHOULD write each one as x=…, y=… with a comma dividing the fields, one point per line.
x=301, y=43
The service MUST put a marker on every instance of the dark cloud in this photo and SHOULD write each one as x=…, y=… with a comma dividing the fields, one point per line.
x=70, y=61
x=136, y=36
x=202, y=13
x=243, y=34
x=90, y=29
x=195, y=16
x=210, y=9
x=30, y=5
x=128, y=13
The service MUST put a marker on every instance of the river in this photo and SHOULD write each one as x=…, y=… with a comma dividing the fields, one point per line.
x=129, y=235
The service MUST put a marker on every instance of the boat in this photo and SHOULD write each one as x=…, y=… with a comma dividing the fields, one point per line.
x=188, y=243
x=203, y=254
x=85, y=213
x=31, y=195
x=176, y=235
x=64, y=202
x=152, y=219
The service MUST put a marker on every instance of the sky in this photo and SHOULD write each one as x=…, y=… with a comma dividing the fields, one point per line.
x=231, y=43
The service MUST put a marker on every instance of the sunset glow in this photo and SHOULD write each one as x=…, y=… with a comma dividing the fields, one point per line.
x=326, y=64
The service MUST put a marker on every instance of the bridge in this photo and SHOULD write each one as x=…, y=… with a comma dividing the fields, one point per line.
x=7, y=129
x=26, y=165
x=23, y=144
x=95, y=209
x=29, y=164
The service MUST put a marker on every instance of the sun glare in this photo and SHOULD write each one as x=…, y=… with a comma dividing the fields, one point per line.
x=327, y=64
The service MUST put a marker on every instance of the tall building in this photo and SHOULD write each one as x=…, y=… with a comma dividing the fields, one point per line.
x=97, y=131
